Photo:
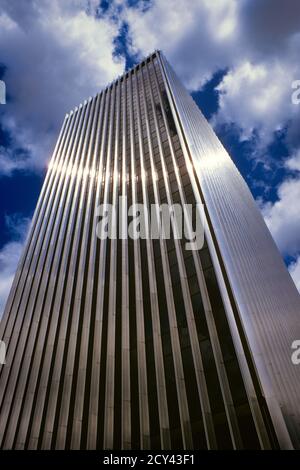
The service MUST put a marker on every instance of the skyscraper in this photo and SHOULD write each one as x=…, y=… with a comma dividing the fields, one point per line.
x=141, y=343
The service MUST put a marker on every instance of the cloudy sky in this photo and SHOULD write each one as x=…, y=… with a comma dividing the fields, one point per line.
x=238, y=58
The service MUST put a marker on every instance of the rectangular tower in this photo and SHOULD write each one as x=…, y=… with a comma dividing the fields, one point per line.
x=140, y=343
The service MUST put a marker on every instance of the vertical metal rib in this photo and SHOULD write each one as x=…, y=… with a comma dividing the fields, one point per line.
x=79, y=251
x=48, y=324
x=157, y=340
x=125, y=359
x=90, y=224
x=260, y=426
x=50, y=411
x=141, y=350
x=24, y=316
x=251, y=277
x=100, y=289
x=180, y=380
x=104, y=277
x=35, y=311
x=111, y=328
x=226, y=393
x=197, y=359
x=52, y=301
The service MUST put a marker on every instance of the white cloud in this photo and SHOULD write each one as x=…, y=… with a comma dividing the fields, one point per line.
x=198, y=38
x=294, y=269
x=9, y=258
x=293, y=163
x=283, y=217
x=8, y=163
x=257, y=97
x=56, y=55
x=10, y=254
x=256, y=40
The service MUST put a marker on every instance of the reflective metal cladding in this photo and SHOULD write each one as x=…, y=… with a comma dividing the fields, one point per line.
x=121, y=343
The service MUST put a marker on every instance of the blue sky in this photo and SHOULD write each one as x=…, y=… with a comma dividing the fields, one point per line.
x=237, y=58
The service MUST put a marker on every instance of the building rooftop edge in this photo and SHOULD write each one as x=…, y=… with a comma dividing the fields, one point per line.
x=110, y=84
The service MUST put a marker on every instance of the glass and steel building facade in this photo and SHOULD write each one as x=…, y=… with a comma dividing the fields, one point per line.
x=140, y=343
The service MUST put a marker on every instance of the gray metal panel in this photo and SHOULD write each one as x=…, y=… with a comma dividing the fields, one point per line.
x=266, y=298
